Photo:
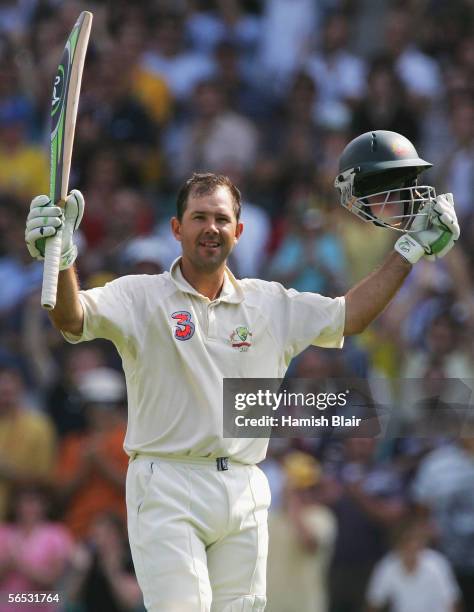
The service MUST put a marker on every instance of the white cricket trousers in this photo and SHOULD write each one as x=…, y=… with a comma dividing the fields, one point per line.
x=198, y=536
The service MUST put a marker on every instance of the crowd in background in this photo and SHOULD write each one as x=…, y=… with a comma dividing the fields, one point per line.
x=267, y=92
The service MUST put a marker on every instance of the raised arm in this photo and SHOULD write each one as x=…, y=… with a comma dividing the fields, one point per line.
x=371, y=295
x=43, y=221
x=68, y=315
x=369, y=298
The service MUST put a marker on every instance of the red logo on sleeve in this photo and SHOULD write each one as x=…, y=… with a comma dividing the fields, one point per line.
x=184, y=328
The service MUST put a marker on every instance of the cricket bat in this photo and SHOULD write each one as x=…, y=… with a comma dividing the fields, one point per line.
x=64, y=103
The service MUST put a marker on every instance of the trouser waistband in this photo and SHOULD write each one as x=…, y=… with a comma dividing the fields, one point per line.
x=221, y=464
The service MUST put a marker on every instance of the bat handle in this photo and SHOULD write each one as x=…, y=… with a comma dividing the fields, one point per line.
x=52, y=258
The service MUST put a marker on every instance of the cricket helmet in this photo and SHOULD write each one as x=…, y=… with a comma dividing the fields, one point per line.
x=378, y=181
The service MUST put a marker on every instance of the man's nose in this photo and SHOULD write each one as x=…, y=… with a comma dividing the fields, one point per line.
x=211, y=226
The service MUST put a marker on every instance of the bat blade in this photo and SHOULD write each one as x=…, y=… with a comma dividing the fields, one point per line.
x=64, y=103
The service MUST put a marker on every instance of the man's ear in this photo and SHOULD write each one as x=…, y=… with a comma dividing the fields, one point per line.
x=176, y=228
x=238, y=232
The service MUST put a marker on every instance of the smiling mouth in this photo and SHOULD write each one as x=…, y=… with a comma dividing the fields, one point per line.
x=209, y=244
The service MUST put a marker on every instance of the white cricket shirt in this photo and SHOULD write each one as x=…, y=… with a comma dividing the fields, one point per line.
x=430, y=587
x=177, y=346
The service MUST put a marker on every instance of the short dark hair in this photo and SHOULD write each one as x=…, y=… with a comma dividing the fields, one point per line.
x=204, y=184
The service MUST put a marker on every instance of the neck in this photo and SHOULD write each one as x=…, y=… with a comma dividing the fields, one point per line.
x=206, y=283
x=410, y=563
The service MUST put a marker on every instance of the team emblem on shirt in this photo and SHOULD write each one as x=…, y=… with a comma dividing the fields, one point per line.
x=240, y=338
x=184, y=328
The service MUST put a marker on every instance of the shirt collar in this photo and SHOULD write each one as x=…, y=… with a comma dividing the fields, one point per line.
x=231, y=290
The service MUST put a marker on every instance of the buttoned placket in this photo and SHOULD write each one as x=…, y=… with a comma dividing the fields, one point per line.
x=211, y=320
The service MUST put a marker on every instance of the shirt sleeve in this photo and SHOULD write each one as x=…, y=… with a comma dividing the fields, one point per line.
x=107, y=313
x=378, y=591
x=310, y=318
x=446, y=580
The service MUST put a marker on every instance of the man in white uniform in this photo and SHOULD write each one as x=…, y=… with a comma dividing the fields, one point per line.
x=197, y=503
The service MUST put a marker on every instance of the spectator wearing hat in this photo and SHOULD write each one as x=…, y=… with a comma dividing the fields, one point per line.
x=91, y=469
x=302, y=533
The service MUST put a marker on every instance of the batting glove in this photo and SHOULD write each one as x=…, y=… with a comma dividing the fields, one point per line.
x=44, y=220
x=440, y=236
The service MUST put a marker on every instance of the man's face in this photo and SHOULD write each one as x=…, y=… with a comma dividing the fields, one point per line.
x=208, y=230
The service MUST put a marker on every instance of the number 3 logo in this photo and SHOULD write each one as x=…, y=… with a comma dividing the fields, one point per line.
x=184, y=327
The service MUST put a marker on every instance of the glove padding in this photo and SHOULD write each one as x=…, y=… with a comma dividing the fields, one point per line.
x=440, y=236
x=44, y=220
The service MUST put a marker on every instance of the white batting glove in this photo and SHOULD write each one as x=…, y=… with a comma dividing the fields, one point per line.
x=44, y=220
x=440, y=236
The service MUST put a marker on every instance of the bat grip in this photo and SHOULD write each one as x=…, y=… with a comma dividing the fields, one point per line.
x=52, y=259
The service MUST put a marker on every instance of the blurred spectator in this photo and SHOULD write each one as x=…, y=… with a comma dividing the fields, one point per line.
x=129, y=215
x=215, y=135
x=301, y=539
x=166, y=55
x=354, y=236
x=310, y=258
x=34, y=551
x=241, y=94
x=367, y=498
x=104, y=173
x=291, y=140
x=112, y=112
x=19, y=275
x=339, y=75
x=91, y=468
x=457, y=162
x=444, y=488
x=27, y=442
x=412, y=577
x=419, y=73
x=14, y=16
x=63, y=400
x=384, y=106
x=288, y=29
x=444, y=346
x=147, y=87
x=145, y=256
x=223, y=21
x=24, y=168
x=102, y=575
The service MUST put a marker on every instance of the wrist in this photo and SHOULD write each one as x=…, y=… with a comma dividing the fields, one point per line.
x=409, y=249
x=68, y=258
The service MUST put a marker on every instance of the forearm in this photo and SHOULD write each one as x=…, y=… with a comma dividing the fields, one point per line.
x=369, y=298
x=68, y=315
